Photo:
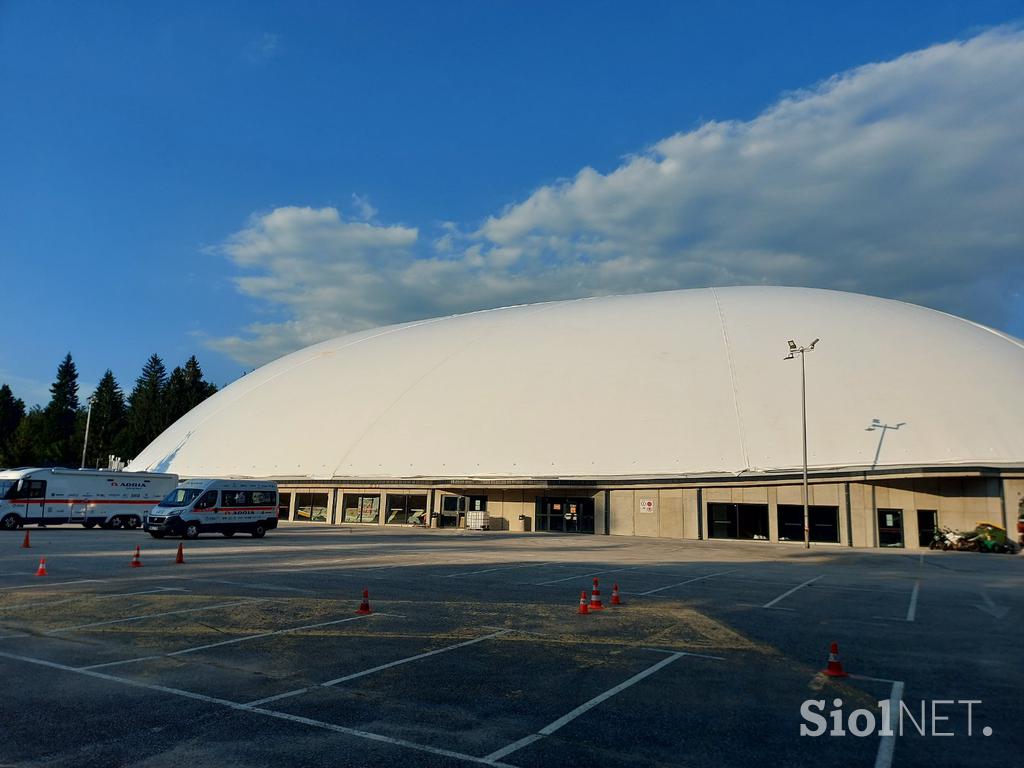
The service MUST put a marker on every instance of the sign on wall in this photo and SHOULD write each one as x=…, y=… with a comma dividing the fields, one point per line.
x=647, y=505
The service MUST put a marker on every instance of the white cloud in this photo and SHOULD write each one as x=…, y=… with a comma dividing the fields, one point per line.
x=902, y=179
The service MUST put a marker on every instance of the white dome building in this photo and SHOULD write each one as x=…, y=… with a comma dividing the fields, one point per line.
x=654, y=414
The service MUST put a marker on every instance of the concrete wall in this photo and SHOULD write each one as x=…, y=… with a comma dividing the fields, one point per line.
x=667, y=512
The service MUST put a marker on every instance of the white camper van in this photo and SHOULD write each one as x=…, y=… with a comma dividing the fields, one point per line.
x=88, y=497
x=215, y=506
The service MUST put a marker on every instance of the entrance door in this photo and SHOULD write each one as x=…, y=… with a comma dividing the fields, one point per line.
x=452, y=507
x=890, y=527
x=35, y=501
x=573, y=515
x=927, y=522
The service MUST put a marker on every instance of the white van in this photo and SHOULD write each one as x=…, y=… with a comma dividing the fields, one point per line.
x=84, y=496
x=215, y=506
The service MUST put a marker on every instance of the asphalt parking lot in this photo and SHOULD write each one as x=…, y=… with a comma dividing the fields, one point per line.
x=251, y=653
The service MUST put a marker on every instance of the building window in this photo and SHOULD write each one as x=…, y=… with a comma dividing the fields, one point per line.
x=823, y=523
x=406, y=509
x=361, y=509
x=738, y=521
x=311, y=507
x=284, y=504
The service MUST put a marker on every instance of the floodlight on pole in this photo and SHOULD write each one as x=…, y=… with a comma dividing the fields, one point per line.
x=795, y=350
x=88, y=420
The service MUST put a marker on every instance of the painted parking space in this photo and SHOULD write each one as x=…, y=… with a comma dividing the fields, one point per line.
x=468, y=658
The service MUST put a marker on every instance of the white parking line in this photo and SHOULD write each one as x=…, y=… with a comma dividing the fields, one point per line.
x=54, y=584
x=688, y=581
x=547, y=730
x=787, y=593
x=912, y=608
x=578, y=576
x=365, y=672
x=92, y=597
x=257, y=711
x=149, y=616
x=232, y=641
x=886, y=743
x=492, y=570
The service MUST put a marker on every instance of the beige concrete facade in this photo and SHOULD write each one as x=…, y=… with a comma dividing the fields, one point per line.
x=858, y=510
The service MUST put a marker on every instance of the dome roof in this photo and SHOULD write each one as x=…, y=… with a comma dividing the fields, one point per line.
x=658, y=384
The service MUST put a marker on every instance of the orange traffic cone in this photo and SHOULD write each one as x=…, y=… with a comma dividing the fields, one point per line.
x=42, y=567
x=364, y=607
x=136, y=561
x=595, y=598
x=180, y=557
x=26, y=544
x=615, y=594
x=583, y=603
x=835, y=667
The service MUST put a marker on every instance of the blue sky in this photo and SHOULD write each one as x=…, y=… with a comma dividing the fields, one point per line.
x=236, y=180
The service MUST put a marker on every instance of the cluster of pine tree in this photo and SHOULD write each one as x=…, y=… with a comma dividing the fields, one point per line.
x=53, y=436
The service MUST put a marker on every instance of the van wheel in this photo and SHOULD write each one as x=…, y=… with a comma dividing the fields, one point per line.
x=116, y=523
x=191, y=531
x=10, y=522
x=88, y=525
x=131, y=522
x=228, y=534
x=259, y=531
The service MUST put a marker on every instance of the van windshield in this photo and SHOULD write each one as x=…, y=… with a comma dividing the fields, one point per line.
x=180, y=497
x=8, y=488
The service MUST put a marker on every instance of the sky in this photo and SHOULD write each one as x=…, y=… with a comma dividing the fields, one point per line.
x=237, y=180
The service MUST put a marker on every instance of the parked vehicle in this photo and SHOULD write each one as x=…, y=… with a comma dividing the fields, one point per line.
x=87, y=497
x=215, y=506
x=989, y=537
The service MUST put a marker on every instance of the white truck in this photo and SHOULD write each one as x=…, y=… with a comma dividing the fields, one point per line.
x=83, y=496
x=215, y=506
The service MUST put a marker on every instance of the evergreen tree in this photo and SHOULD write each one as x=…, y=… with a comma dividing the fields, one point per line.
x=147, y=415
x=186, y=389
x=26, y=447
x=58, y=445
x=12, y=412
x=109, y=421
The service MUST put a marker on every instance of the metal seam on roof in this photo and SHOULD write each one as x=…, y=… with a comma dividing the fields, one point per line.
x=741, y=432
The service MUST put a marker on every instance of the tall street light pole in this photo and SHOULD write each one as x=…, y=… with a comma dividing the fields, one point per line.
x=795, y=350
x=88, y=420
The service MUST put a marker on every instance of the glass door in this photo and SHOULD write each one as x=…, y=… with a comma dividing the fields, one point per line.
x=890, y=527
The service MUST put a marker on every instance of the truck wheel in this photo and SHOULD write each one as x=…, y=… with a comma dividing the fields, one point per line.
x=259, y=531
x=10, y=522
x=131, y=522
x=191, y=531
x=116, y=523
x=88, y=525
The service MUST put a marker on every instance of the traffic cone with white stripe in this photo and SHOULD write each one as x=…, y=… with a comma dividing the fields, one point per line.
x=835, y=666
x=615, y=594
x=583, y=603
x=595, y=598
x=42, y=567
x=136, y=559
x=26, y=544
x=179, y=559
x=364, y=607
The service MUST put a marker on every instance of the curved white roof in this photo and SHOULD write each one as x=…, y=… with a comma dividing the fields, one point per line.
x=658, y=384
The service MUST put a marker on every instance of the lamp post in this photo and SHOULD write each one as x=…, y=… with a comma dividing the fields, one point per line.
x=88, y=420
x=795, y=350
